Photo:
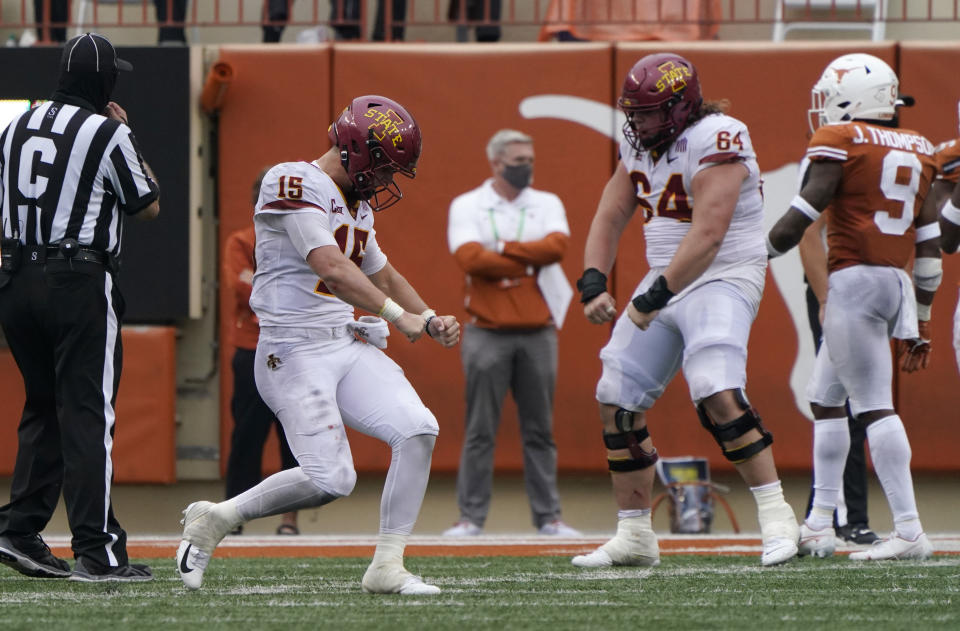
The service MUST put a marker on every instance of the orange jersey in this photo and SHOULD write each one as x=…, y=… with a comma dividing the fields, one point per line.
x=886, y=176
x=948, y=161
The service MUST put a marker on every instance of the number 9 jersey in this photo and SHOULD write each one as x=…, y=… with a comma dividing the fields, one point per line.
x=886, y=176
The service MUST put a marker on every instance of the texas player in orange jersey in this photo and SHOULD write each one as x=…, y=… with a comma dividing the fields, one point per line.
x=872, y=181
x=946, y=191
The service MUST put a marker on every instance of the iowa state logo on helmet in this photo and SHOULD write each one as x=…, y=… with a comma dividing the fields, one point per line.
x=385, y=126
x=672, y=76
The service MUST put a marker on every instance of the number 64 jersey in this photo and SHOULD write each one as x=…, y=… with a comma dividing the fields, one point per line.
x=886, y=176
x=664, y=192
x=286, y=291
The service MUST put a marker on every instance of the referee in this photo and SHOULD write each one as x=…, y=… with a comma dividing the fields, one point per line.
x=70, y=171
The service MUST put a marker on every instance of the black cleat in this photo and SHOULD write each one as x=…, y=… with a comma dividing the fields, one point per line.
x=89, y=571
x=857, y=533
x=30, y=556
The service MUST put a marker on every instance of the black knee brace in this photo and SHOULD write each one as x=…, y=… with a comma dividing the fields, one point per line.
x=629, y=439
x=736, y=428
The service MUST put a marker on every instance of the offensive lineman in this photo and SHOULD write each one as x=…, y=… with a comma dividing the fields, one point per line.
x=872, y=180
x=693, y=172
x=318, y=258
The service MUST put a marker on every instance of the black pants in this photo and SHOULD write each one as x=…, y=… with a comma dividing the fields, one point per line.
x=476, y=11
x=340, y=11
x=855, y=470
x=62, y=323
x=59, y=14
x=178, y=10
x=252, y=420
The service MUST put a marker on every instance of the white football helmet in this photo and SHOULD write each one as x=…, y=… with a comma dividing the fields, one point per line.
x=854, y=86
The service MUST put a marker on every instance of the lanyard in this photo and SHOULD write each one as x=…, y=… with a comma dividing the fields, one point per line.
x=493, y=224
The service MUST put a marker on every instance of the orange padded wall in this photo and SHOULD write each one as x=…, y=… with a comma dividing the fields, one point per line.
x=144, y=447
x=462, y=94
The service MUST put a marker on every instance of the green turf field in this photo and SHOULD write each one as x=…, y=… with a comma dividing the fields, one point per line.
x=685, y=592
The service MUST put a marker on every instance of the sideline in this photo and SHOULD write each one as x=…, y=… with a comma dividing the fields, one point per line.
x=274, y=546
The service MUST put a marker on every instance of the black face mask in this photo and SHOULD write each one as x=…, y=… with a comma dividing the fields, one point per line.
x=89, y=90
x=518, y=175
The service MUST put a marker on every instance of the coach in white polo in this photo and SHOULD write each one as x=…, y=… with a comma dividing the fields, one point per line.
x=509, y=238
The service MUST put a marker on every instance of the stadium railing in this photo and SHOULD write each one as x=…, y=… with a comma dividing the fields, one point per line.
x=623, y=20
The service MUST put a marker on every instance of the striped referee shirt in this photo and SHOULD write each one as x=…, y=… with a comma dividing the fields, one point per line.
x=66, y=172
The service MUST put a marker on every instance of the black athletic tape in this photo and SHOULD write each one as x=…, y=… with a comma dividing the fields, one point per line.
x=633, y=464
x=591, y=284
x=655, y=298
x=732, y=430
x=745, y=452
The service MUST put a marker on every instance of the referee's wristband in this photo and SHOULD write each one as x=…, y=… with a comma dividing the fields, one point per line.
x=390, y=311
x=655, y=298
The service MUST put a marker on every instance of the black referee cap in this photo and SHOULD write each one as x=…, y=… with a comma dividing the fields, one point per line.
x=91, y=52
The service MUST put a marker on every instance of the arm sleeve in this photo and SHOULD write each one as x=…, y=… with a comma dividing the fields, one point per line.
x=549, y=249
x=828, y=143
x=297, y=193
x=307, y=231
x=948, y=161
x=474, y=259
x=727, y=141
x=135, y=189
x=374, y=258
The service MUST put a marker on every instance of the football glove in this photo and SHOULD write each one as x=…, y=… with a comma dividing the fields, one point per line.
x=915, y=354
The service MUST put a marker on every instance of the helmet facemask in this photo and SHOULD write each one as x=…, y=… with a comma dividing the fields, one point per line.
x=375, y=184
x=654, y=135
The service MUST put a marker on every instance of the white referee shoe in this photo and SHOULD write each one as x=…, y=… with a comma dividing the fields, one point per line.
x=894, y=548
x=634, y=544
x=393, y=578
x=780, y=534
x=203, y=528
x=816, y=543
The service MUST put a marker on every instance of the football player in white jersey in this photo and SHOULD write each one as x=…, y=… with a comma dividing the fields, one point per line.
x=317, y=259
x=692, y=172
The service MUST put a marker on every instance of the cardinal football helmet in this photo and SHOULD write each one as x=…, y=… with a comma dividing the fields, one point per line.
x=854, y=86
x=663, y=83
x=377, y=138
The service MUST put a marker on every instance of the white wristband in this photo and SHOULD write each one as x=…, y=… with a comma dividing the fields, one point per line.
x=805, y=207
x=923, y=312
x=927, y=232
x=390, y=311
x=951, y=213
x=428, y=313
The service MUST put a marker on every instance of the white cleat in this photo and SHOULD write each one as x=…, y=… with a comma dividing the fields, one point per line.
x=557, y=528
x=634, y=544
x=463, y=528
x=816, y=543
x=393, y=578
x=191, y=564
x=895, y=548
x=203, y=529
x=780, y=534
